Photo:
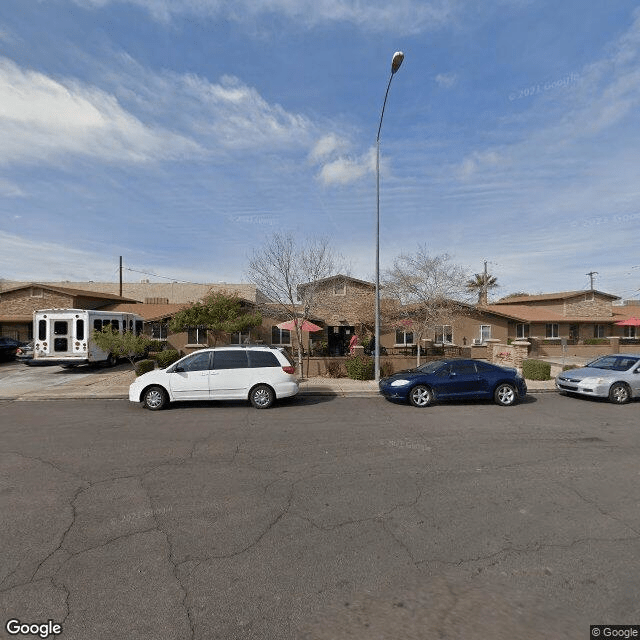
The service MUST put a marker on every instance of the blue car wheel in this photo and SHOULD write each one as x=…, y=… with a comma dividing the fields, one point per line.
x=420, y=396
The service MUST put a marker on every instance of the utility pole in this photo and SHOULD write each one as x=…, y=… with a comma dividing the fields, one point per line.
x=591, y=274
x=121, y=276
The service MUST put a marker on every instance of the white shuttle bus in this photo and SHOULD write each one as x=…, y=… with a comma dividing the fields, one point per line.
x=65, y=336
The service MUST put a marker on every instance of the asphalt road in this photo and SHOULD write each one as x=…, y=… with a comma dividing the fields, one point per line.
x=321, y=518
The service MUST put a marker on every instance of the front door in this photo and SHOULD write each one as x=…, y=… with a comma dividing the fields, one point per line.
x=191, y=379
x=338, y=339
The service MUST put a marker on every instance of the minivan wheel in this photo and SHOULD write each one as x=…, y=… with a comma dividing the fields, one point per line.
x=155, y=398
x=619, y=393
x=262, y=396
x=505, y=395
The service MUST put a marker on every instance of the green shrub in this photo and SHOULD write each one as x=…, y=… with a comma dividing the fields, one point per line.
x=166, y=358
x=156, y=346
x=142, y=366
x=360, y=367
x=536, y=370
x=596, y=341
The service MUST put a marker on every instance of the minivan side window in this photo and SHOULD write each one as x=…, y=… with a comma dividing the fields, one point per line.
x=263, y=359
x=230, y=359
x=197, y=362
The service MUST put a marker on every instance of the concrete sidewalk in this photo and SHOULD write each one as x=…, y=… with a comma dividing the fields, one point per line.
x=114, y=384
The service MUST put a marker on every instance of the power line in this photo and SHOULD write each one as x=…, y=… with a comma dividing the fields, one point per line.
x=155, y=275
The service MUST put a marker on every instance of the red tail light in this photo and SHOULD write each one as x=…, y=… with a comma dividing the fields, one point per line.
x=289, y=369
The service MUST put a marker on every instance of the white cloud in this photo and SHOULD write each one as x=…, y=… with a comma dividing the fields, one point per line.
x=446, y=80
x=28, y=259
x=327, y=146
x=42, y=119
x=408, y=16
x=10, y=190
x=345, y=170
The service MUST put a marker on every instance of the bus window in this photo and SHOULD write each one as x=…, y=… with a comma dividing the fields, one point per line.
x=97, y=325
x=42, y=330
x=79, y=329
x=115, y=325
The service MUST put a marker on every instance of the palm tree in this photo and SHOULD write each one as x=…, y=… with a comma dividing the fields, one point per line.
x=480, y=284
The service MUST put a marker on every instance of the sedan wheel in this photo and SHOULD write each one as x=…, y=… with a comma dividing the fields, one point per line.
x=262, y=396
x=619, y=393
x=420, y=396
x=155, y=398
x=505, y=395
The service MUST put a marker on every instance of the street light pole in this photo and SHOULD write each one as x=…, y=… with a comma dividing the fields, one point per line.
x=396, y=61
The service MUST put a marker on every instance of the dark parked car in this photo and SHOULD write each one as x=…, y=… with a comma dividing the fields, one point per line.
x=8, y=347
x=455, y=380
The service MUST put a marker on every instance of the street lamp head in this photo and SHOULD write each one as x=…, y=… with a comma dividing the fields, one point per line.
x=396, y=61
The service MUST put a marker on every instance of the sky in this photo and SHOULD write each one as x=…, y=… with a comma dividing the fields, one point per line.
x=182, y=134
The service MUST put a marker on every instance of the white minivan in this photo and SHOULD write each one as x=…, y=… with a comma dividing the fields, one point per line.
x=260, y=374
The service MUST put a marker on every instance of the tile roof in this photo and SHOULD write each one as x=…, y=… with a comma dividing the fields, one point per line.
x=562, y=295
x=148, y=312
x=84, y=293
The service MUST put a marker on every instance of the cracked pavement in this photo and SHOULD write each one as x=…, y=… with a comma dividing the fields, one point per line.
x=322, y=518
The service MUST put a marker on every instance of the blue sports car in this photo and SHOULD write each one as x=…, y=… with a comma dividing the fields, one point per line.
x=455, y=380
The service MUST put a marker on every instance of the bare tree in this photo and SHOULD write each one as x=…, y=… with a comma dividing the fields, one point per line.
x=287, y=272
x=429, y=291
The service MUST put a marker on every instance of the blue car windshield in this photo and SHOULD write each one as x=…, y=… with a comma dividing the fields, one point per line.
x=614, y=363
x=430, y=367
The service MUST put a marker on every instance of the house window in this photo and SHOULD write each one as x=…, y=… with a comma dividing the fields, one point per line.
x=339, y=289
x=598, y=331
x=280, y=336
x=404, y=338
x=551, y=330
x=444, y=334
x=241, y=337
x=630, y=332
x=522, y=330
x=197, y=335
x=37, y=292
x=485, y=333
x=159, y=330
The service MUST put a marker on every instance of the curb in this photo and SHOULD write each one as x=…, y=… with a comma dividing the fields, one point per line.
x=338, y=393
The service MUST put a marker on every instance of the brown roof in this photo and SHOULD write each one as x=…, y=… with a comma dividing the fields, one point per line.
x=538, y=314
x=72, y=292
x=148, y=312
x=563, y=295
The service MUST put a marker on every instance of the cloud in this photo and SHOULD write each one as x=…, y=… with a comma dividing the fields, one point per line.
x=408, y=16
x=345, y=170
x=10, y=190
x=28, y=259
x=327, y=146
x=42, y=119
x=446, y=80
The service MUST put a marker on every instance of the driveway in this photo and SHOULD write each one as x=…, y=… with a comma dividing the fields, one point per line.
x=17, y=379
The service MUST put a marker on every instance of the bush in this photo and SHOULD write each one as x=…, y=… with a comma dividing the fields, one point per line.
x=360, y=368
x=167, y=358
x=593, y=341
x=143, y=366
x=334, y=369
x=386, y=369
x=536, y=370
x=156, y=346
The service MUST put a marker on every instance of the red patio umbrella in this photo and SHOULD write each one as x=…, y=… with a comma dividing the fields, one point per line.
x=629, y=322
x=290, y=325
